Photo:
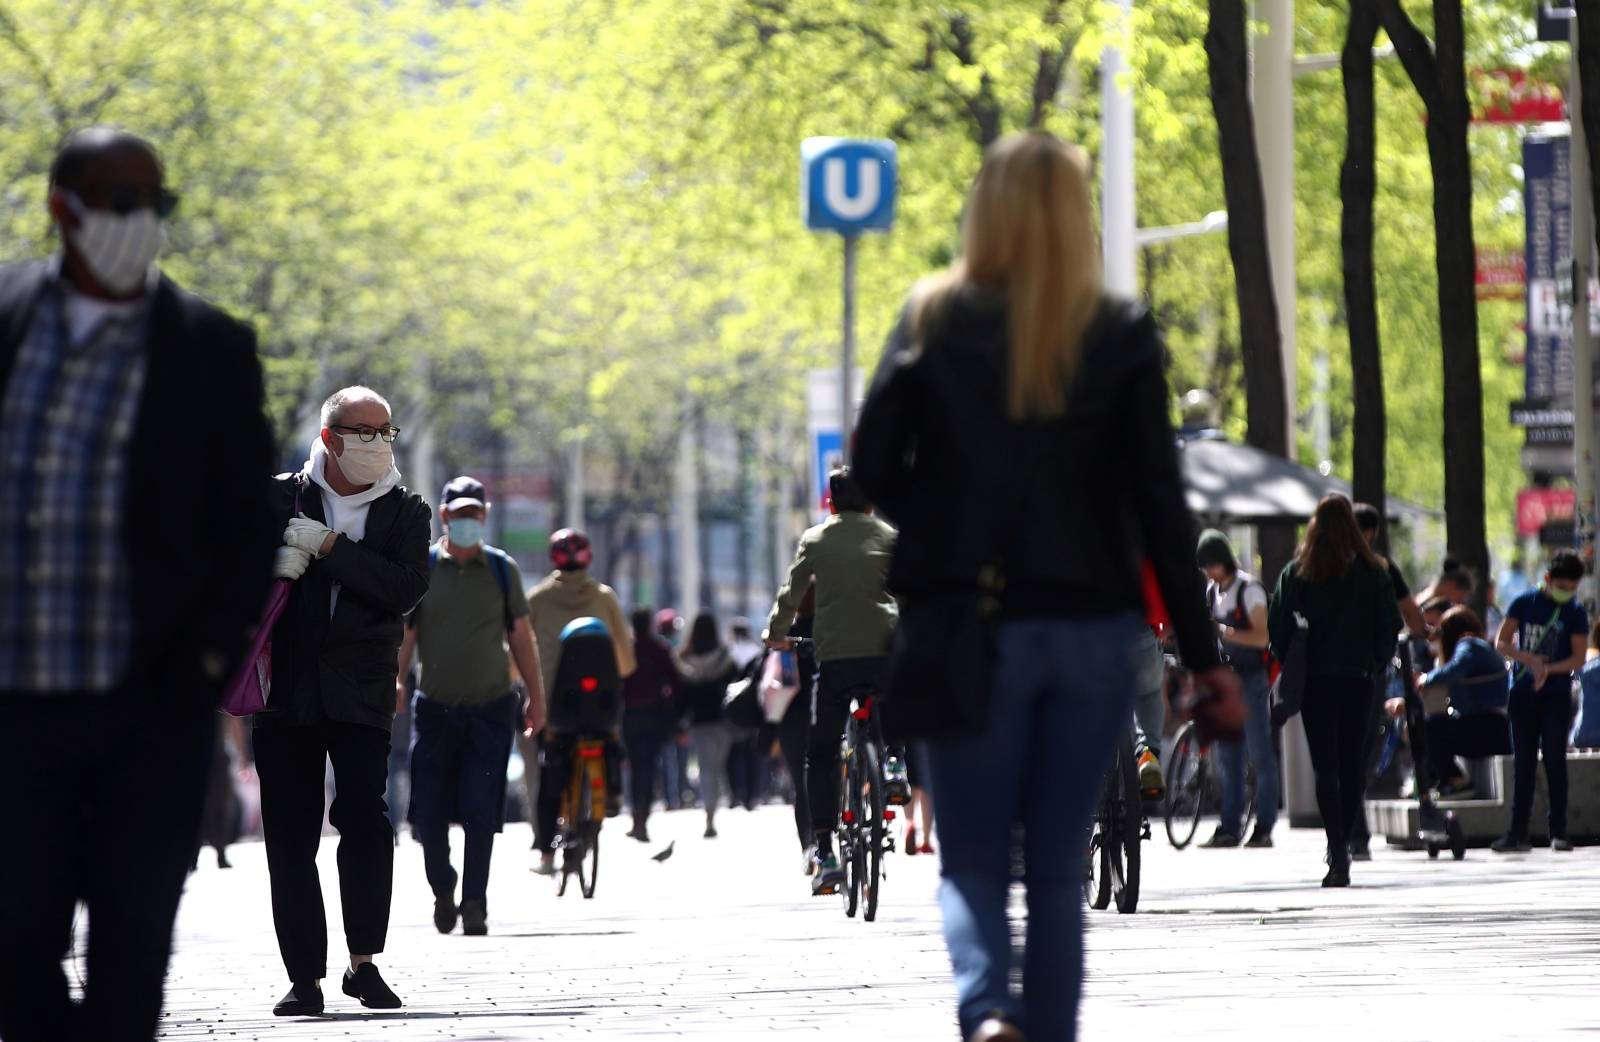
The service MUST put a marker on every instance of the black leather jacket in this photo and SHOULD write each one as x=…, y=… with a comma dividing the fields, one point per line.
x=343, y=667
x=1067, y=508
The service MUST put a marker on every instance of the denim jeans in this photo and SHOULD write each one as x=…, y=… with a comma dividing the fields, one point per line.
x=1540, y=721
x=458, y=773
x=1150, y=696
x=1061, y=696
x=1257, y=742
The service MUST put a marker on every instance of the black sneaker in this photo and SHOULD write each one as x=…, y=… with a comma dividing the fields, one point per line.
x=1221, y=840
x=1260, y=838
x=1509, y=844
x=444, y=912
x=366, y=984
x=1360, y=852
x=1338, y=875
x=474, y=918
x=304, y=1000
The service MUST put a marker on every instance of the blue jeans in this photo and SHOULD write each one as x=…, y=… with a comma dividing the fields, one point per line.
x=1149, y=691
x=458, y=773
x=1258, y=743
x=1061, y=696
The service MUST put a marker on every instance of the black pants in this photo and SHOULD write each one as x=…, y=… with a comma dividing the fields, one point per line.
x=1472, y=734
x=1370, y=750
x=1336, y=712
x=1540, y=723
x=100, y=803
x=794, y=734
x=290, y=761
x=744, y=771
x=838, y=683
x=644, y=732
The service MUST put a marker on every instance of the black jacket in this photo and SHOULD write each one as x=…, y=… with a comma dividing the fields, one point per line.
x=197, y=524
x=1067, y=508
x=343, y=667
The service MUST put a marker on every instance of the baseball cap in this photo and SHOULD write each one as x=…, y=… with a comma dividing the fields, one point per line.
x=463, y=492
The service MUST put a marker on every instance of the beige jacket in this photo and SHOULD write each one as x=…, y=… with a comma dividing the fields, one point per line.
x=564, y=596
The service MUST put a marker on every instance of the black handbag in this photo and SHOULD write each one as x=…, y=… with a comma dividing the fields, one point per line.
x=939, y=666
x=1289, y=688
x=741, y=705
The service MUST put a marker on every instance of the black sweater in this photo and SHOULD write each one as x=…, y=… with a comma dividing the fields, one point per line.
x=1068, y=507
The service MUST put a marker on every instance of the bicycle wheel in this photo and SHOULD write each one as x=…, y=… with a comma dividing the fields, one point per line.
x=849, y=825
x=589, y=866
x=1130, y=830
x=1186, y=786
x=1100, y=852
x=873, y=839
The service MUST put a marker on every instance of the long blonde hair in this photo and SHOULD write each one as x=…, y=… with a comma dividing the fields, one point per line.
x=1029, y=234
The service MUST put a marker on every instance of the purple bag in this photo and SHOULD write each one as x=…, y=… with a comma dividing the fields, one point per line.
x=246, y=694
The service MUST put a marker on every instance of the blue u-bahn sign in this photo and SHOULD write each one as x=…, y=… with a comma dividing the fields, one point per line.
x=848, y=185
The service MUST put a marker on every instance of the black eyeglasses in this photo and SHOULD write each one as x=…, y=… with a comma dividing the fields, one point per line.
x=125, y=199
x=388, y=433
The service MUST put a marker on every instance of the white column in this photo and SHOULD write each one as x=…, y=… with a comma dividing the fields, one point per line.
x=421, y=476
x=686, y=517
x=1119, y=220
x=1272, y=95
x=576, y=487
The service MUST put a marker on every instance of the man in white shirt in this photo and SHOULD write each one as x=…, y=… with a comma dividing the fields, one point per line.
x=1238, y=604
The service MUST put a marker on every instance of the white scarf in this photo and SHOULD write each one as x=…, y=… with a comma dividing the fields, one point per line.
x=346, y=515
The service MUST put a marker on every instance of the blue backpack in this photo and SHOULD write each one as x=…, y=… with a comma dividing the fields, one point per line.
x=499, y=564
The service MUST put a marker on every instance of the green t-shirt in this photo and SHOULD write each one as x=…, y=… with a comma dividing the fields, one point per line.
x=461, y=630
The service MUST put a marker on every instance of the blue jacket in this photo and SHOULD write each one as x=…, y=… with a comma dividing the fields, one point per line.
x=1586, y=735
x=1475, y=675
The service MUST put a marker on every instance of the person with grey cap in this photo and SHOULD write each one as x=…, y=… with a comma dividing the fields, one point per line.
x=466, y=713
x=1238, y=604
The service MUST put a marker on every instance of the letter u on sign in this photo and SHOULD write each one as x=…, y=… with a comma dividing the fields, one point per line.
x=869, y=188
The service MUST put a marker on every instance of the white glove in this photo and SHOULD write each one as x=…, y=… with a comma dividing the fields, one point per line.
x=306, y=534
x=291, y=564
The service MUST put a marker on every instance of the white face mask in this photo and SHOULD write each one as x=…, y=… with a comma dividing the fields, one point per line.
x=118, y=248
x=365, y=462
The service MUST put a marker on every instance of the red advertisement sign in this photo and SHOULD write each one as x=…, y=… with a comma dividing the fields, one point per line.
x=1502, y=274
x=1537, y=507
x=1513, y=98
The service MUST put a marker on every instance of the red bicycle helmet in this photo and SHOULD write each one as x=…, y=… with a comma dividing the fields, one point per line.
x=570, y=550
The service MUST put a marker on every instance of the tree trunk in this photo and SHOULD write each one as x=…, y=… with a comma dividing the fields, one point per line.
x=1589, y=76
x=1357, y=188
x=1259, y=342
x=1440, y=77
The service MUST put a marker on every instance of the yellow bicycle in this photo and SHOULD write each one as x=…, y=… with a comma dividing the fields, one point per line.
x=583, y=810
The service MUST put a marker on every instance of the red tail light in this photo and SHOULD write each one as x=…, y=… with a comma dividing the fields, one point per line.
x=590, y=751
x=590, y=685
x=888, y=815
x=848, y=817
x=864, y=713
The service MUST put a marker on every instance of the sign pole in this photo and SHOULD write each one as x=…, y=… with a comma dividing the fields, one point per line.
x=847, y=361
x=1583, y=419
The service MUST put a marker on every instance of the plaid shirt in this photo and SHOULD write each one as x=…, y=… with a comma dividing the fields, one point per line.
x=66, y=422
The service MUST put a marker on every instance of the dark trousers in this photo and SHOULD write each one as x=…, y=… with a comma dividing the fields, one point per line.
x=794, y=735
x=458, y=773
x=552, y=783
x=1472, y=734
x=1539, y=724
x=644, y=732
x=838, y=683
x=1371, y=749
x=744, y=771
x=100, y=803
x=290, y=761
x=1336, y=711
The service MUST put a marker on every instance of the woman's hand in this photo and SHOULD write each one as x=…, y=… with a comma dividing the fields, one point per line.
x=1218, y=704
x=1396, y=707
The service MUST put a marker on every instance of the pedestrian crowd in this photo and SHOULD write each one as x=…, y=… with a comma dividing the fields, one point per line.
x=1002, y=629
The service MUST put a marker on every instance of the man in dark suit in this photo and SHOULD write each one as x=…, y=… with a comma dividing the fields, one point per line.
x=136, y=546
x=356, y=547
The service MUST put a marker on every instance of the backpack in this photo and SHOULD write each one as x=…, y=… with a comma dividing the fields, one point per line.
x=499, y=564
x=1244, y=658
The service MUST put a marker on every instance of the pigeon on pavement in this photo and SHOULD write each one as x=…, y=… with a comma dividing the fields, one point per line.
x=665, y=853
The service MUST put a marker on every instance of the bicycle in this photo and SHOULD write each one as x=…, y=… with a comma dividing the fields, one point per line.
x=861, y=829
x=579, y=838
x=1119, y=828
x=1193, y=784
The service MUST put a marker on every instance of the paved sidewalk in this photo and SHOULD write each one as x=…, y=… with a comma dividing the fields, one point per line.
x=722, y=941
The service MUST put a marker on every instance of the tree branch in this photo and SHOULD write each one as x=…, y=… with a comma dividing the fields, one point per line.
x=1414, y=51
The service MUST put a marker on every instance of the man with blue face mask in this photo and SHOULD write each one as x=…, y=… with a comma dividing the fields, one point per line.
x=134, y=560
x=465, y=714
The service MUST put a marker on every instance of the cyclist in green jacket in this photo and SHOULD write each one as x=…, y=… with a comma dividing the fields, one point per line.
x=846, y=557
